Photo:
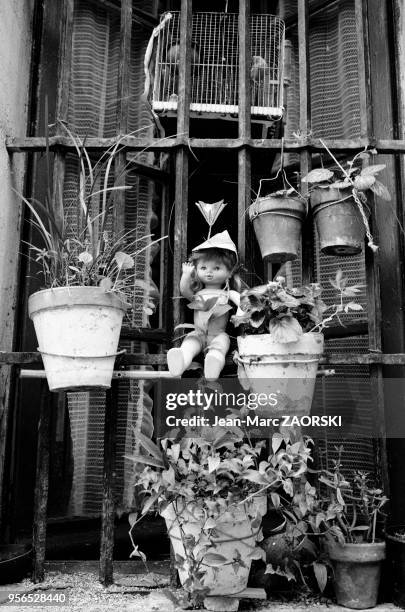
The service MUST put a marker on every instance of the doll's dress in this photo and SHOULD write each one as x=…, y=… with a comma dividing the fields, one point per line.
x=211, y=314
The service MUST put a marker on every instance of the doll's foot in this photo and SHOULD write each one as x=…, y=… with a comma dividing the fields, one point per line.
x=213, y=366
x=175, y=361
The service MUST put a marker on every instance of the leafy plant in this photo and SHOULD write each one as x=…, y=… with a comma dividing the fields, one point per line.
x=90, y=255
x=353, y=177
x=212, y=475
x=352, y=505
x=287, y=312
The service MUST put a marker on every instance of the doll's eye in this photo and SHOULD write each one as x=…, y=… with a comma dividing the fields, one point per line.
x=203, y=268
x=216, y=267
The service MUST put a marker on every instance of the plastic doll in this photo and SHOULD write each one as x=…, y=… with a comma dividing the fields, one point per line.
x=206, y=283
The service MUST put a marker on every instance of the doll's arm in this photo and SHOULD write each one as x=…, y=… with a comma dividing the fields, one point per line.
x=186, y=280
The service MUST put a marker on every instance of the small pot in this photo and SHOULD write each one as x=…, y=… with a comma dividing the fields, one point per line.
x=338, y=221
x=15, y=560
x=277, y=223
x=285, y=368
x=396, y=558
x=78, y=330
x=357, y=571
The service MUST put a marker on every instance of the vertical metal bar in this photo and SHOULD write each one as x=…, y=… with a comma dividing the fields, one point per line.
x=305, y=128
x=182, y=160
x=122, y=112
x=108, y=511
x=374, y=306
x=244, y=157
x=41, y=484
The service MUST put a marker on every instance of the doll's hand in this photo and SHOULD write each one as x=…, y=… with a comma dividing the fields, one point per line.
x=188, y=268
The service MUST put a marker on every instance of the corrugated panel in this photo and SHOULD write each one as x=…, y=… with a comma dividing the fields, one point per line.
x=93, y=112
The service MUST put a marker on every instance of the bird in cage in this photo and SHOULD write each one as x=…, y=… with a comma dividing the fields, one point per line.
x=258, y=76
x=170, y=70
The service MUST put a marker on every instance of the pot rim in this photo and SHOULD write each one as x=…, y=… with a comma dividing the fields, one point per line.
x=77, y=295
x=349, y=551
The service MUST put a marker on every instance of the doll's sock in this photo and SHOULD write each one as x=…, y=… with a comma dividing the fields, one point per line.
x=175, y=361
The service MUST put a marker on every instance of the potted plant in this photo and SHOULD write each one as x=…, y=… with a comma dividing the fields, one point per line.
x=395, y=539
x=212, y=493
x=352, y=507
x=277, y=221
x=281, y=341
x=87, y=277
x=339, y=204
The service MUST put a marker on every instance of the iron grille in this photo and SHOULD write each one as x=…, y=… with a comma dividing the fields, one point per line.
x=214, y=69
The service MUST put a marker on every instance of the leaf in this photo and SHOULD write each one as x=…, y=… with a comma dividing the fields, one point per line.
x=132, y=518
x=339, y=497
x=257, y=554
x=138, y=553
x=214, y=560
x=86, y=258
x=149, y=503
x=318, y=175
x=373, y=169
x=213, y=463
x=124, y=261
x=149, y=446
x=275, y=499
x=276, y=441
x=381, y=191
x=105, y=284
x=210, y=523
x=145, y=460
x=321, y=575
x=353, y=306
x=148, y=311
x=285, y=330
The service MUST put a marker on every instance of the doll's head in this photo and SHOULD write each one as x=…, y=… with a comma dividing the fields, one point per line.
x=213, y=266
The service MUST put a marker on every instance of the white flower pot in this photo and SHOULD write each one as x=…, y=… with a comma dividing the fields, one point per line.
x=78, y=330
x=285, y=369
x=234, y=533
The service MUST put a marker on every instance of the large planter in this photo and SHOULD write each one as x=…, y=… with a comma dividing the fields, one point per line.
x=277, y=223
x=286, y=369
x=338, y=221
x=78, y=330
x=396, y=556
x=357, y=570
x=234, y=532
x=15, y=562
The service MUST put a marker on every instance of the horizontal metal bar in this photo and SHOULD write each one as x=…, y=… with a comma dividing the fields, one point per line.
x=142, y=359
x=117, y=374
x=131, y=143
x=145, y=334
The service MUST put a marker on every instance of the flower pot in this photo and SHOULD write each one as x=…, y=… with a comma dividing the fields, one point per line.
x=277, y=224
x=78, y=330
x=396, y=558
x=233, y=532
x=357, y=569
x=338, y=221
x=15, y=560
x=287, y=369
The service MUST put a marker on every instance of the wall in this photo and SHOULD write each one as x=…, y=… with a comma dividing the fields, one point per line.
x=15, y=55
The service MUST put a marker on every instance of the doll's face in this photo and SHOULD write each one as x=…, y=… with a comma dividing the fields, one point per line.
x=212, y=272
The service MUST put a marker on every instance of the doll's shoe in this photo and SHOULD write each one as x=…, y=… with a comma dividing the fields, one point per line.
x=175, y=361
x=213, y=366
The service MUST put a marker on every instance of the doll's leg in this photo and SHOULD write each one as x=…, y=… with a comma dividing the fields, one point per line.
x=215, y=357
x=179, y=359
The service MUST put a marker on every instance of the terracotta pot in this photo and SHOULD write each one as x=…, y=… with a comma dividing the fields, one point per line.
x=338, y=221
x=234, y=532
x=78, y=330
x=357, y=570
x=396, y=559
x=277, y=223
x=288, y=369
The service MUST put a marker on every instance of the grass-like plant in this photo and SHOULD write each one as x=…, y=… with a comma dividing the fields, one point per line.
x=89, y=254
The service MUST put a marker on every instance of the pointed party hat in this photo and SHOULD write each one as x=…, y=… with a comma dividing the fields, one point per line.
x=218, y=241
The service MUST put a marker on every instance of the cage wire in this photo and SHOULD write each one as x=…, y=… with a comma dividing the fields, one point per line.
x=215, y=65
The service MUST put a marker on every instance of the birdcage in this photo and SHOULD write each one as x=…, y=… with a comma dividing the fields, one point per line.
x=215, y=65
